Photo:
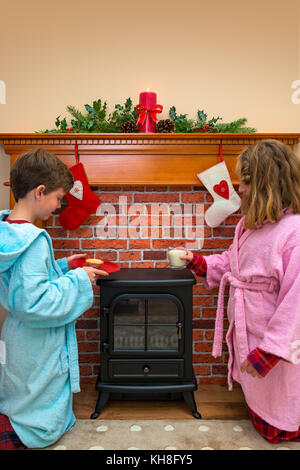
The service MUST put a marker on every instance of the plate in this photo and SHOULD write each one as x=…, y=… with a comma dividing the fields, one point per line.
x=107, y=266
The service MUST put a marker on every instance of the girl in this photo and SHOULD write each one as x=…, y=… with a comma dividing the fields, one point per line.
x=262, y=267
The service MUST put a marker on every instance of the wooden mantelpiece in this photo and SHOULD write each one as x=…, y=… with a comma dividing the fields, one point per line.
x=142, y=159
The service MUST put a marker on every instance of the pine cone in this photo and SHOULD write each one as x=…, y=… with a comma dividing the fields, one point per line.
x=165, y=125
x=129, y=126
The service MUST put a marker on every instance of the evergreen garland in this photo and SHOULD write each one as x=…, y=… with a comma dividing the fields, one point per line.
x=95, y=119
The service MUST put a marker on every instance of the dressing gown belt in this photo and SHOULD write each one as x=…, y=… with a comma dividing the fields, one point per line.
x=239, y=316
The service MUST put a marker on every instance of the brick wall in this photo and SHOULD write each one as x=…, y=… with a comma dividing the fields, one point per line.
x=134, y=229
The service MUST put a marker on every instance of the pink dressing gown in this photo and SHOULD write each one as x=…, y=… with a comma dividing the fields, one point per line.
x=263, y=269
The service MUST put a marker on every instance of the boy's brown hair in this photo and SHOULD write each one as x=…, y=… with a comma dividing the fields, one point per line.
x=272, y=170
x=38, y=166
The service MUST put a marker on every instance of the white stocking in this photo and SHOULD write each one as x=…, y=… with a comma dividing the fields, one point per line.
x=226, y=200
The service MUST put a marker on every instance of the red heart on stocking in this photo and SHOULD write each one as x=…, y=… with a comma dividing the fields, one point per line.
x=222, y=189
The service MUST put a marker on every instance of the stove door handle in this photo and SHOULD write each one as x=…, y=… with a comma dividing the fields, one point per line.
x=104, y=311
x=179, y=329
x=104, y=346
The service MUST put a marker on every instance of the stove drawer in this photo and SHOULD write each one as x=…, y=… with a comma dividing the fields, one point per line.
x=141, y=368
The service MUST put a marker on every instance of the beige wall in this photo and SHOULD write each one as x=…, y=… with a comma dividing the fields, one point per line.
x=232, y=59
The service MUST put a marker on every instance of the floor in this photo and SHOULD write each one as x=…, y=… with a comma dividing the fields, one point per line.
x=213, y=402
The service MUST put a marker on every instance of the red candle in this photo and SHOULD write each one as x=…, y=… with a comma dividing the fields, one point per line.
x=148, y=101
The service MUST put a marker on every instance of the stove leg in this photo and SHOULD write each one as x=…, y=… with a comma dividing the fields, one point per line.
x=102, y=399
x=190, y=400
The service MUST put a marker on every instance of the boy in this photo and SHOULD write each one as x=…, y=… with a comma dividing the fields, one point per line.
x=43, y=300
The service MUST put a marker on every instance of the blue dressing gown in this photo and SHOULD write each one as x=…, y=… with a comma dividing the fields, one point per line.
x=43, y=300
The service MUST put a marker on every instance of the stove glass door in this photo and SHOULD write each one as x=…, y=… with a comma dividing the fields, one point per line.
x=146, y=323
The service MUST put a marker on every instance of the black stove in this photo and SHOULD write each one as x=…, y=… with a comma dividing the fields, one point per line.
x=146, y=336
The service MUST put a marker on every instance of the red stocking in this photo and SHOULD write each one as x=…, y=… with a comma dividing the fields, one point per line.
x=82, y=200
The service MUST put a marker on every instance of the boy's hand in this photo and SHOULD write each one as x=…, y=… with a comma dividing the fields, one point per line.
x=71, y=258
x=93, y=272
x=188, y=255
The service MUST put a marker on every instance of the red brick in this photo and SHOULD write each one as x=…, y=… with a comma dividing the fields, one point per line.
x=169, y=242
x=114, y=198
x=63, y=244
x=201, y=370
x=202, y=358
x=219, y=370
x=86, y=324
x=196, y=312
x=97, y=244
x=202, y=347
x=141, y=265
x=93, y=219
x=139, y=243
x=88, y=347
x=129, y=255
x=198, y=335
x=89, y=358
x=107, y=255
x=80, y=335
x=57, y=232
x=93, y=335
x=209, y=335
x=204, y=324
x=62, y=254
x=192, y=197
x=85, y=370
x=156, y=188
x=152, y=255
x=217, y=243
x=82, y=232
x=208, y=313
x=202, y=300
x=223, y=231
x=88, y=380
x=232, y=219
x=157, y=198
x=124, y=264
x=91, y=313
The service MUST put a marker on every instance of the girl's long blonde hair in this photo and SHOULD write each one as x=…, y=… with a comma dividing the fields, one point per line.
x=272, y=170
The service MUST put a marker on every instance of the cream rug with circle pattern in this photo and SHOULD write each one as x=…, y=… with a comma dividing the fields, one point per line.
x=184, y=434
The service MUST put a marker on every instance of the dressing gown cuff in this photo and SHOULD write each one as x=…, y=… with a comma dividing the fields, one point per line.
x=198, y=264
x=262, y=361
x=63, y=264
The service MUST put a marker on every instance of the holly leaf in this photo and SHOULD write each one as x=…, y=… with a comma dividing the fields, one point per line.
x=63, y=125
x=90, y=110
x=201, y=115
x=172, y=113
x=90, y=124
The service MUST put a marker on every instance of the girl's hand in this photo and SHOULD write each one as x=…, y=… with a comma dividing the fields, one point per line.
x=93, y=272
x=188, y=255
x=247, y=367
x=71, y=258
